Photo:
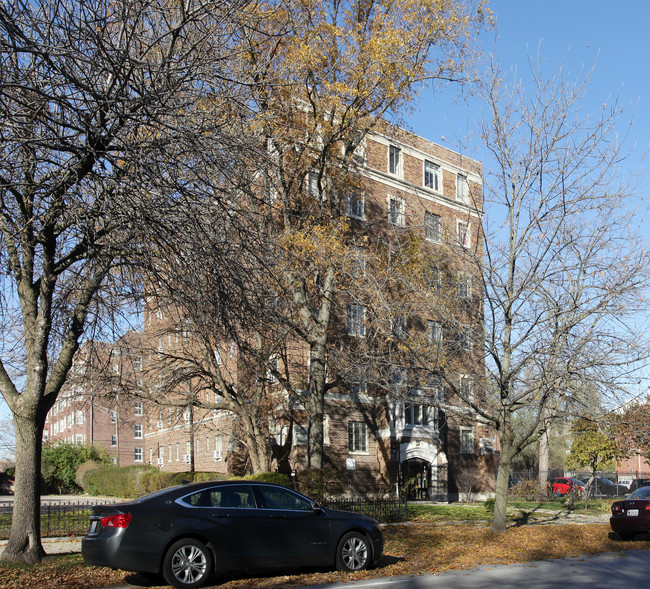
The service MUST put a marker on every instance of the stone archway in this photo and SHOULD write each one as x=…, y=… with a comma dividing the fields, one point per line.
x=419, y=470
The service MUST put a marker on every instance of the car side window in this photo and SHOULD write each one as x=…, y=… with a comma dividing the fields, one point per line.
x=284, y=499
x=231, y=496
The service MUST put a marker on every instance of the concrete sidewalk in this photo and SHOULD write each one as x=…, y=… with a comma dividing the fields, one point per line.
x=66, y=545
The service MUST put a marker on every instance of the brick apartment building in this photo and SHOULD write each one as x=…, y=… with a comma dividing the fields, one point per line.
x=377, y=441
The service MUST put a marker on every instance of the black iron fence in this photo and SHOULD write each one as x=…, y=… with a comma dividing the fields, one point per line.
x=385, y=511
x=58, y=518
x=72, y=518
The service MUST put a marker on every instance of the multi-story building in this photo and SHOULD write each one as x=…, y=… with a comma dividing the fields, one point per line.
x=414, y=433
x=96, y=406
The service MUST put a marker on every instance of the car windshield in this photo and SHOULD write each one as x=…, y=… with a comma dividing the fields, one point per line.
x=642, y=493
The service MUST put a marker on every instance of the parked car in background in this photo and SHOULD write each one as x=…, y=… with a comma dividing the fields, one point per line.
x=190, y=531
x=604, y=487
x=632, y=515
x=565, y=485
x=638, y=483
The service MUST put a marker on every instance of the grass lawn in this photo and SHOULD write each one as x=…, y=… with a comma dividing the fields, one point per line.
x=424, y=546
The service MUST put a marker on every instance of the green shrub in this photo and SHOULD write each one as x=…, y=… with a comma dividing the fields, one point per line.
x=61, y=461
x=113, y=481
x=489, y=505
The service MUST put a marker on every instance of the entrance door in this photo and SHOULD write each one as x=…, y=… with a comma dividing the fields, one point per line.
x=416, y=477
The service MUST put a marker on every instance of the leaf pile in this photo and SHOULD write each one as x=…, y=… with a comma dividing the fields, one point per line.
x=410, y=549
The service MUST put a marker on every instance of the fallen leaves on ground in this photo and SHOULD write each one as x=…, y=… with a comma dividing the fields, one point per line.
x=410, y=549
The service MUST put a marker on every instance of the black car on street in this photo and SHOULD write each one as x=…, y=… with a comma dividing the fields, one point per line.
x=188, y=532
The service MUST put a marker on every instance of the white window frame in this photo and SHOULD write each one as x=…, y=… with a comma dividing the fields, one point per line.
x=463, y=238
x=416, y=414
x=113, y=440
x=311, y=184
x=462, y=188
x=356, y=320
x=113, y=416
x=396, y=211
x=431, y=175
x=432, y=227
x=137, y=408
x=395, y=158
x=466, y=385
x=355, y=204
x=464, y=285
x=465, y=337
x=300, y=435
x=357, y=437
x=138, y=454
x=433, y=278
x=138, y=431
x=434, y=332
x=466, y=440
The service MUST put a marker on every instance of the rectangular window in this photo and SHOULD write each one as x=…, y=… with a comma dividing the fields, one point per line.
x=398, y=326
x=395, y=160
x=137, y=431
x=396, y=210
x=299, y=435
x=137, y=409
x=466, y=440
x=416, y=414
x=464, y=285
x=358, y=382
x=354, y=204
x=79, y=439
x=357, y=262
x=433, y=279
x=218, y=443
x=434, y=332
x=169, y=452
x=312, y=184
x=113, y=440
x=435, y=383
x=79, y=416
x=356, y=320
x=432, y=175
x=432, y=227
x=137, y=363
x=357, y=436
x=113, y=415
x=467, y=388
x=137, y=454
x=462, y=234
x=178, y=451
x=465, y=338
x=462, y=189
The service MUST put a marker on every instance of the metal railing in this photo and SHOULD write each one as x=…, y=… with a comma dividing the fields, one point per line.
x=383, y=510
x=60, y=518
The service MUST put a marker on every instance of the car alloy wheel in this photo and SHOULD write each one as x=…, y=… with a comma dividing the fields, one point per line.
x=353, y=553
x=187, y=564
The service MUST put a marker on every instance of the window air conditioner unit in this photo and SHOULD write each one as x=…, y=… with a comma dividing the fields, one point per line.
x=216, y=454
x=187, y=458
x=487, y=447
x=160, y=462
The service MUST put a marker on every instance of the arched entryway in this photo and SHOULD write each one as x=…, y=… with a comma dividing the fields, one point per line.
x=416, y=477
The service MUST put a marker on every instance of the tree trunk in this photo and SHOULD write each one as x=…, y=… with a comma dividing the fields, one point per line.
x=316, y=406
x=499, y=520
x=24, y=543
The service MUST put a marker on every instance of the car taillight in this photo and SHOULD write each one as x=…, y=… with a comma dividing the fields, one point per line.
x=647, y=506
x=616, y=508
x=120, y=520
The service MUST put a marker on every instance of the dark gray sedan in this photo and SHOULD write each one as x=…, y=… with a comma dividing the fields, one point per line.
x=190, y=531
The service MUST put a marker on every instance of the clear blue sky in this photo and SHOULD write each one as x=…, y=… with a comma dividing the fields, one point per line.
x=613, y=37
x=573, y=33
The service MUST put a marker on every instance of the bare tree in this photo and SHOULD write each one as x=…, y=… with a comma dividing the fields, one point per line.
x=100, y=100
x=563, y=269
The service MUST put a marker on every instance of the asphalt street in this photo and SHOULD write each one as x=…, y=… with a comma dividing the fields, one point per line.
x=630, y=569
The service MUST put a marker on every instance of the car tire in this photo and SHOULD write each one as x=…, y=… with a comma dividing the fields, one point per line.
x=353, y=552
x=188, y=563
x=627, y=536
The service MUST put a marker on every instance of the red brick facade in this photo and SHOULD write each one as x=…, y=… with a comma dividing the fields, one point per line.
x=377, y=443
